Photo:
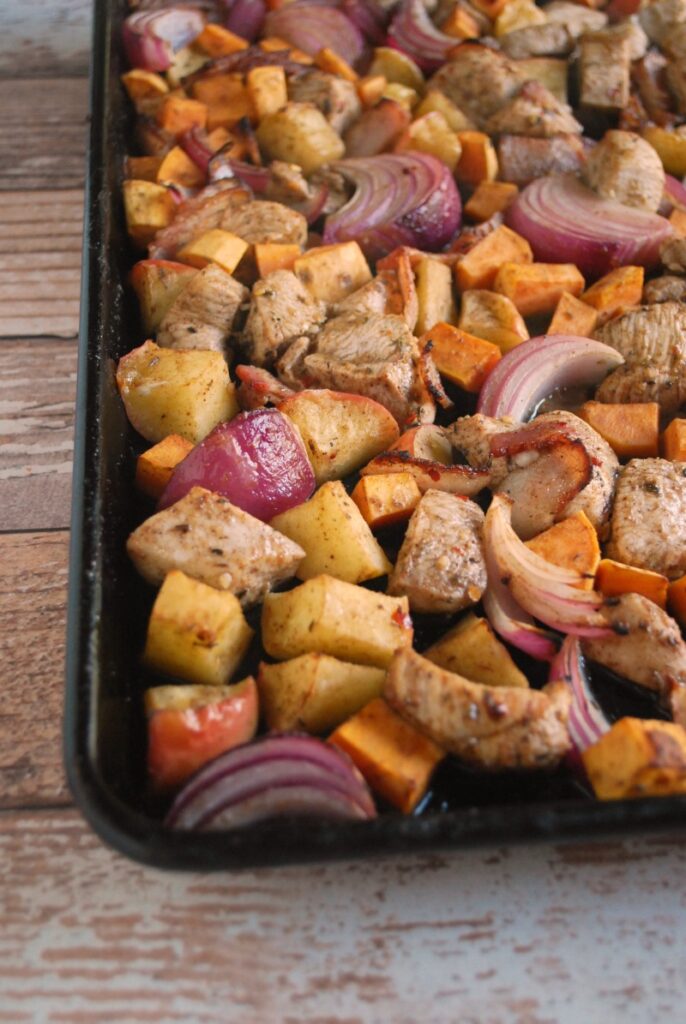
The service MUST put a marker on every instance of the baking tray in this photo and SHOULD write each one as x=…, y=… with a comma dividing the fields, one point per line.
x=104, y=729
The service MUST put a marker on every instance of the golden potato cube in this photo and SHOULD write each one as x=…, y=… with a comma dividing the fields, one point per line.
x=336, y=618
x=315, y=692
x=638, y=757
x=148, y=207
x=334, y=536
x=397, y=67
x=552, y=72
x=299, y=134
x=492, y=317
x=471, y=649
x=670, y=146
x=175, y=391
x=432, y=134
x=518, y=14
x=157, y=284
x=330, y=272
x=267, y=88
x=196, y=632
x=155, y=467
x=386, y=498
x=437, y=100
x=143, y=85
x=185, y=62
x=402, y=95
x=215, y=246
x=434, y=283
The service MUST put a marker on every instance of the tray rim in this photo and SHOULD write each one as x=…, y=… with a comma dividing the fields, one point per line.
x=281, y=841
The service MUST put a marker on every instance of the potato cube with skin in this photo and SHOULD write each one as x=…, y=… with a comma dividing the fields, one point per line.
x=395, y=758
x=330, y=272
x=315, y=692
x=402, y=95
x=637, y=757
x=215, y=246
x=154, y=468
x=434, y=286
x=670, y=146
x=551, y=72
x=492, y=317
x=334, y=536
x=196, y=632
x=157, y=284
x=165, y=391
x=267, y=88
x=185, y=61
x=336, y=618
x=387, y=498
x=271, y=256
x=177, y=168
x=518, y=14
x=471, y=649
x=437, y=100
x=299, y=134
x=148, y=207
x=430, y=133
x=397, y=67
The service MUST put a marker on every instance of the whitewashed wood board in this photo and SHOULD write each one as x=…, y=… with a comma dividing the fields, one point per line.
x=40, y=37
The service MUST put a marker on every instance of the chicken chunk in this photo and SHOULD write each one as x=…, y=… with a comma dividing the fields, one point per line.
x=667, y=288
x=492, y=727
x=652, y=340
x=204, y=313
x=522, y=159
x=335, y=97
x=478, y=80
x=648, y=526
x=648, y=77
x=660, y=18
x=604, y=71
x=673, y=255
x=624, y=167
x=201, y=213
x=551, y=40
x=281, y=309
x=534, y=112
x=262, y=221
x=575, y=18
x=441, y=565
x=211, y=540
x=372, y=297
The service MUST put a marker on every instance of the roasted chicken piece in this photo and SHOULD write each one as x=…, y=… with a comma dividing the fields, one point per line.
x=204, y=313
x=534, y=112
x=281, y=310
x=659, y=19
x=551, y=40
x=492, y=727
x=211, y=540
x=673, y=255
x=648, y=527
x=199, y=214
x=441, y=565
x=575, y=18
x=335, y=97
x=478, y=80
x=523, y=158
x=262, y=221
x=626, y=168
x=668, y=288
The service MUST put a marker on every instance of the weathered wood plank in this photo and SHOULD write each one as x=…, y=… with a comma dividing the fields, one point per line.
x=45, y=39
x=32, y=606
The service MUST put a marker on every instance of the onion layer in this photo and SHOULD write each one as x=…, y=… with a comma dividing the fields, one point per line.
x=310, y=27
x=413, y=32
x=151, y=38
x=246, y=18
x=587, y=722
x=509, y=619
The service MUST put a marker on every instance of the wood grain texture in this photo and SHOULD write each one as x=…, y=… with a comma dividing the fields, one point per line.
x=42, y=38
x=32, y=607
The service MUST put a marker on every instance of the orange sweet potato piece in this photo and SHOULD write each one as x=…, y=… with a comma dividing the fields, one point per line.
x=488, y=198
x=226, y=97
x=637, y=757
x=275, y=256
x=386, y=498
x=571, y=544
x=537, y=288
x=478, y=161
x=272, y=44
x=371, y=88
x=218, y=41
x=267, y=89
x=479, y=267
x=178, y=114
x=616, y=291
x=631, y=430
x=329, y=61
x=177, y=168
x=143, y=168
x=461, y=357
x=614, y=578
x=673, y=441
x=676, y=599
x=155, y=466
x=572, y=316
x=395, y=758
x=461, y=24
x=491, y=8
x=677, y=219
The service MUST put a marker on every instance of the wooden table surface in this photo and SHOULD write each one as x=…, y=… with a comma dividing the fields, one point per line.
x=551, y=934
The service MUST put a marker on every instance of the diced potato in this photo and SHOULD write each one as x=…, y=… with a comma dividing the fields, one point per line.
x=677, y=219
x=217, y=41
x=395, y=758
x=461, y=24
x=432, y=134
x=185, y=61
x=518, y=14
x=676, y=599
x=437, y=100
x=489, y=198
x=155, y=466
x=196, y=632
x=330, y=272
x=149, y=208
x=571, y=544
x=397, y=67
x=386, y=498
x=434, y=285
x=143, y=85
x=370, y=89
x=157, y=284
x=549, y=71
x=331, y=62
x=336, y=618
x=573, y=316
x=670, y=146
x=175, y=391
x=177, y=168
x=614, y=578
x=178, y=115
x=271, y=256
x=402, y=95
x=480, y=266
x=215, y=246
x=461, y=357
x=471, y=649
x=673, y=441
x=144, y=168
x=637, y=757
x=537, y=287
x=268, y=90
x=299, y=134
x=315, y=692
x=478, y=161
x=492, y=317
x=334, y=536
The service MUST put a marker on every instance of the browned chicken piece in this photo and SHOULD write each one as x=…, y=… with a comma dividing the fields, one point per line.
x=211, y=540
x=604, y=71
x=472, y=435
x=667, y=288
x=492, y=727
x=675, y=76
x=281, y=310
x=660, y=18
x=652, y=340
x=648, y=77
x=440, y=566
x=551, y=40
x=522, y=159
x=673, y=255
x=576, y=19
x=648, y=526
x=203, y=315
x=631, y=31
x=262, y=221
x=338, y=190
x=372, y=297
x=535, y=112
x=288, y=185
x=335, y=97
x=626, y=168
x=203, y=212
x=478, y=80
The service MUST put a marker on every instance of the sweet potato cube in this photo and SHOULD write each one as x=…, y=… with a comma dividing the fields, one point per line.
x=330, y=272
x=395, y=758
x=489, y=198
x=462, y=358
x=637, y=757
x=329, y=61
x=157, y=284
x=630, y=429
x=219, y=89
x=676, y=599
x=480, y=266
x=177, y=168
x=434, y=99
x=673, y=441
x=155, y=466
x=148, y=207
x=386, y=498
x=537, y=288
x=461, y=24
x=492, y=317
x=215, y=246
x=143, y=168
x=616, y=291
x=431, y=134
x=143, y=85
x=472, y=650
x=478, y=161
x=677, y=219
x=271, y=256
x=218, y=41
x=370, y=89
x=571, y=544
x=614, y=578
x=177, y=115
x=315, y=692
x=434, y=287
x=267, y=88
x=196, y=632
x=573, y=316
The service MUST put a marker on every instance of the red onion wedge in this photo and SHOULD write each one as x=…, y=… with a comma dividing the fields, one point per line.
x=566, y=222
x=413, y=32
x=310, y=27
x=288, y=774
x=548, y=592
x=587, y=722
x=674, y=194
x=370, y=18
x=246, y=18
x=536, y=368
x=399, y=199
x=151, y=38
x=256, y=460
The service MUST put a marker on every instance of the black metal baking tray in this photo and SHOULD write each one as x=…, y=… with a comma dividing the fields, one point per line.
x=104, y=737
